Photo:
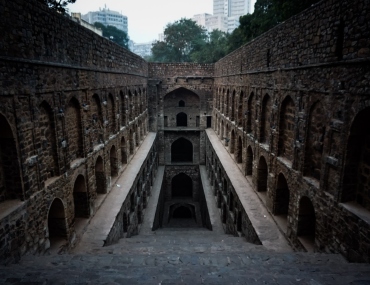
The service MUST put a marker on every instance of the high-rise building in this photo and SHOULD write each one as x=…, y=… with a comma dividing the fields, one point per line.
x=211, y=22
x=232, y=9
x=107, y=17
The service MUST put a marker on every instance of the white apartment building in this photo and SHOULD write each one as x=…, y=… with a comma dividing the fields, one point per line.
x=107, y=17
x=232, y=10
x=142, y=49
x=211, y=22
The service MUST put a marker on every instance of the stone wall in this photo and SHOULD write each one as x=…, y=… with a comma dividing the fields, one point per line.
x=293, y=99
x=65, y=97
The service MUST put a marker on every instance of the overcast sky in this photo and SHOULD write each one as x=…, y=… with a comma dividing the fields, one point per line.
x=147, y=18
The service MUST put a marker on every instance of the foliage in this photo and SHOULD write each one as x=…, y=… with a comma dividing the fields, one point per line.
x=182, y=38
x=58, y=5
x=114, y=34
x=267, y=14
x=213, y=49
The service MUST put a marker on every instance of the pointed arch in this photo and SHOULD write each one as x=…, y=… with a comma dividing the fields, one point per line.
x=249, y=163
x=74, y=130
x=250, y=112
x=282, y=197
x=123, y=151
x=306, y=219
x=232, y=142
x=240, y=109
x=262, y=175
x=57, y=223
x=80, y=198
x=232, y=115
x=181, y=120
x=265, y=120
x=100, y=179
x=49, y=155
x=314, y=142
x=10, y=175
x=239, y=151
x=355, y=186
x=113, y=161
x=286, y=129
x=123, y=108
x=182, y=151
x=182, y=186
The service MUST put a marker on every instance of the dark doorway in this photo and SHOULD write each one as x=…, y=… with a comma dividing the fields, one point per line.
x=209, y=121
x=182, y=151
x=181, y=120
x=182, y=213
x=282, y=197
x=182, y=186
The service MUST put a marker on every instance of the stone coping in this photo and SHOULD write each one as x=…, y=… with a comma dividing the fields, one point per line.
x=264, y=225
x=103, y=221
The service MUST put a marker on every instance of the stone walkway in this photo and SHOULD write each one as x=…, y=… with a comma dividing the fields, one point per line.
x=183, y=256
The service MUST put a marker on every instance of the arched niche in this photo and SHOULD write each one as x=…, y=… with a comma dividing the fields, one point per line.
x=182, y=150
x=80, y=198
x=100, y=178
x=182, y=186
x=57, y=224
x=10, y=179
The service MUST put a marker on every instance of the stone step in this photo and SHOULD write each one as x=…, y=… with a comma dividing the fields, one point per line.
x=220, y=268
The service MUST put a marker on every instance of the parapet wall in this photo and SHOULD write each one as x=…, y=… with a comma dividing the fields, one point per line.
x=160, y=70
x=327, y=32
x=32, y=32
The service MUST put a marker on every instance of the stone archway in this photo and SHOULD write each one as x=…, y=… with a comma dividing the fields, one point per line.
x=57, y=223
x=181, y=186
x=113, y=162
x=100, y=178
x=262, y=172
x=80, y=198
x=9, y=163
x=182, y=150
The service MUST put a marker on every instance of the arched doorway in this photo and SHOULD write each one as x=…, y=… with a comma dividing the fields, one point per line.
x=74, y=130
x=123, y=151
x=249, y=163
x=355, y=186
x=181, y=119
x=182, y=215
x=182, y=151
x=100, y=178
x=282, y=196
x=232, y=142
x=80, y=198
x=262, y=172
x=9, y=164
x=57, y=225
x=286, y=129
x=306, y=221
x=182, y=186
x=113, y=162
x=239, y=151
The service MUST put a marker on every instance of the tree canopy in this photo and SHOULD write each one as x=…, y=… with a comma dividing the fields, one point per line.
x=185, y=41
x=267, y=14
x=114, y=34
x=182, y=38
x=58, y=5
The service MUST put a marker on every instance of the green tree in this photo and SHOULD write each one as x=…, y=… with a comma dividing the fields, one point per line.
x=114, y=34
x=267, y=14
x=182, y=38
x=215, y=48
x=58, y=5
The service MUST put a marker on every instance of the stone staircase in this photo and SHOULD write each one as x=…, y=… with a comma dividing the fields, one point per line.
x=184, y=256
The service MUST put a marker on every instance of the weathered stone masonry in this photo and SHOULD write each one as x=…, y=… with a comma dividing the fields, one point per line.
x=291, y=107
x=72, y=113
x=296, y=100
